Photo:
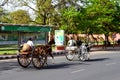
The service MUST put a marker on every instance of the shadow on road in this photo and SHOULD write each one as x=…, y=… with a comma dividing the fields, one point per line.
x=12, y=65
x=97, y=59
x=63, y=65
x=8, y=66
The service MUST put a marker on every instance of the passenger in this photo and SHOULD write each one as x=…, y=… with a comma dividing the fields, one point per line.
x=71, y=42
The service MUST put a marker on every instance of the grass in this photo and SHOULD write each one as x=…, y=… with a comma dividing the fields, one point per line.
x=11, y=49
x=8, y=49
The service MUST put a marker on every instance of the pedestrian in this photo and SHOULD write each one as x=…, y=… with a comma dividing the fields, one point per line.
x=71, y=42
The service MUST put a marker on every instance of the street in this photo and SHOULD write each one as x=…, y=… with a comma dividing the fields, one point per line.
x=104, y=65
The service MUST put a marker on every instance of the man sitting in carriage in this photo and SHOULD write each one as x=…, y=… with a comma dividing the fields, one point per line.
x=28, y=46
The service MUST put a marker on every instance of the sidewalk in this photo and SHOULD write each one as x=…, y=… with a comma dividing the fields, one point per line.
x=2, y=57
x=94, y=49
x=105, y=49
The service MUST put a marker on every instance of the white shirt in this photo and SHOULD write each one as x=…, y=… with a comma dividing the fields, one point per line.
x=30, y=43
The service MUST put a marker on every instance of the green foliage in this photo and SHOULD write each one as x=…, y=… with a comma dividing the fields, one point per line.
x=70, y=20
x=1, y=14
x=4, y=16
x=8, y=49
x=20, y=17
x=100, y=16
x=1, y=11
x=5, y=19
x=44, y=11
x=85, y=16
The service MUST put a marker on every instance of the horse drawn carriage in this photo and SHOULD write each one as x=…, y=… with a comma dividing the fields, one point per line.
x=82, y=52
x=37, y=56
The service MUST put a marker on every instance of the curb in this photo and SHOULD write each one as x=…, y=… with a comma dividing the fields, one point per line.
x=3, y=57
x=60, y=53
x=7, y=57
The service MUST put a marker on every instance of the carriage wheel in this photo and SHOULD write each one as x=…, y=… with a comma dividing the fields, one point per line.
x=84, y=56
x=38, y=61
x=87, y=57
x=69, y=55
x=24, y=60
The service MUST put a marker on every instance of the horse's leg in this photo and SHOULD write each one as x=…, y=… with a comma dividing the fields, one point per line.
x=46, y=60
x=53, y=61
x=50, y=53
x=45, y=56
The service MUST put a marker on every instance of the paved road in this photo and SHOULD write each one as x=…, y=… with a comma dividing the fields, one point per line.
x=103, y=65
x=93, y=49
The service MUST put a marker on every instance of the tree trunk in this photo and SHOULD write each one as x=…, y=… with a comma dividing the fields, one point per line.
x=106, y=42
x=106, y=37
x=94, y=38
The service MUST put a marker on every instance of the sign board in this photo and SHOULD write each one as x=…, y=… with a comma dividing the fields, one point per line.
x=25, y=28
x=59, y=37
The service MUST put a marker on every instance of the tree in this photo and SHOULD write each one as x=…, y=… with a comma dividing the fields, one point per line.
x=69, y=20
x=116, y=15
x=1, y=13
x=20, y=17
x=69, y=14
x=4, y=16
x=85, y=16
x=43, y=10
x=100, y=15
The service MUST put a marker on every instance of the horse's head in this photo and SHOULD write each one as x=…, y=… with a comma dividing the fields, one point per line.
x=51, y=42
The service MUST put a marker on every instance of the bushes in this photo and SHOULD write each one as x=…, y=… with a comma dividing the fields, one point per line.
x=8, y=49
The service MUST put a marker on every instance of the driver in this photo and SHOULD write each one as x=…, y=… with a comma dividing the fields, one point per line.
x=28, y=46
x=30, y=42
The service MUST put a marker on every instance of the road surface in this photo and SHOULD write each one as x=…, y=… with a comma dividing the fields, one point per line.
x=104, y=65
